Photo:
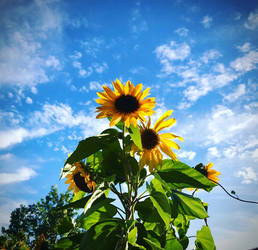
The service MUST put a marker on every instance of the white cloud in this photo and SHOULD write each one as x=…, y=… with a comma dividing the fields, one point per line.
x=206, y=21
x=245, y=47
x=29, y=100
x=240, y=91
x=186, y=154
x=95, y=86
x=22, y=174
x=182, y=31
x=137, y=23
x=27, y=35
x=210, y=55
x=17, y=135
x=173, y=51
x=252, y=21
x=53, y=62
x=245, y=63
x=100, y=68
x=213, y=152
x=247, y=174
x=167, y=53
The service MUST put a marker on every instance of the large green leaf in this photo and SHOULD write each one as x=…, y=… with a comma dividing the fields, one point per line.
x=181, y=176
x=189, y=205
x=204, y=239
x=76, y=204
x=101, y=210
x=98, y=194
x=160, y=200
x=136, y=136
x=69, y=242
x=103, y=236
x=91, y=145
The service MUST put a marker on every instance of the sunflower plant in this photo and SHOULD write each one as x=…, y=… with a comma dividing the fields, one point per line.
x=128, y=183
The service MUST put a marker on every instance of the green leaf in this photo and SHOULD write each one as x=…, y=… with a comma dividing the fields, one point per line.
x=181, y=176
x=189, y=205
x=204, y=239
x=98, y=193
x=152, y=244
x=160, y=200
x=91, y=145
x=136, y=136
x=173, y=243
x=70, y=242
x=76, y=204
x=182, y=224
x=132, y=236
x=101, y=210
x=103, y=236
x=77, y=196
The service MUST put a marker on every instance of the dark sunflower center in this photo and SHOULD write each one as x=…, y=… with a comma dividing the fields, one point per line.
x=126, y=104
x=80, y=183
x=201, y=168
x=149, y=139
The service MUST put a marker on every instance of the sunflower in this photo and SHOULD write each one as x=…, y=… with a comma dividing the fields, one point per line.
x=79, y=179
x=211, y=174
x=153, y=143
x=125, y=103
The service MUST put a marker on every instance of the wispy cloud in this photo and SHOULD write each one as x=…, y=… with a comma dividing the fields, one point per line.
x=245, y=47
x=248, y=175
x=252, y=21
x=240, y=91
x=137, y=23
x=22, y=174
x=206, y=21
x=23, y=63
x=182, y=31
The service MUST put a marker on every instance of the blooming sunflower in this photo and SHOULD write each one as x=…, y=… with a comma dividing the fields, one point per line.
x=125, y=103
x=153, y=143
x=79, y=179
x=211, y=174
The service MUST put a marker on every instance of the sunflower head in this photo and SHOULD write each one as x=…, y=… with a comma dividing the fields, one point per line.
x=80, y=179
x=153, y=142
x=125, y=103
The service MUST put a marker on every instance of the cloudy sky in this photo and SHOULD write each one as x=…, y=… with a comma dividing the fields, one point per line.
x=199, y=58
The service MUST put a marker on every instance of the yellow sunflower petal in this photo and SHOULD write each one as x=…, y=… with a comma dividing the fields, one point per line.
x=170, y=143
x=109, y=92
x=118, y=86
x=171, y=136
x=168, y=151
x=115, y=119
x=165, y=124
x=162, y=118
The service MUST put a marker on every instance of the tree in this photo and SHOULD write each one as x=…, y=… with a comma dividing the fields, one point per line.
x=28, y=223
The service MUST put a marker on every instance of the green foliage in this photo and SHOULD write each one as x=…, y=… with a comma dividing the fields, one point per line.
x=157, y=218
x=27, y=223
x=204, y=239
x=180, y=175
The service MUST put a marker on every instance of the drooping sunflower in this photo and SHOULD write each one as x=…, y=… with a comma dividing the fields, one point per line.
x=153, y=142
x=80, y=179
x=211, y=174
x=125, y=103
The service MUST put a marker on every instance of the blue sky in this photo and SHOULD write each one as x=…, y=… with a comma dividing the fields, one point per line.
x=199, y=58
